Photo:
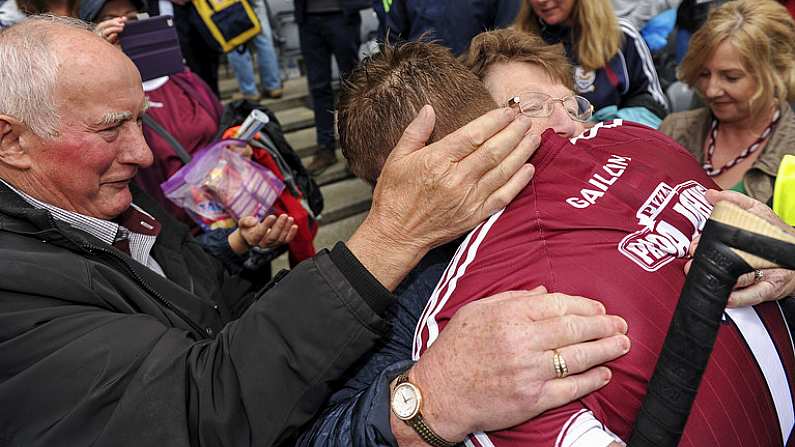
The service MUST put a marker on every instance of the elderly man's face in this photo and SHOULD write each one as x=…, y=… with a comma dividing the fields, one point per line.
x=88, y=167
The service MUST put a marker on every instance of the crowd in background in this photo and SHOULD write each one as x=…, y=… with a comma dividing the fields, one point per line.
x=608, y=43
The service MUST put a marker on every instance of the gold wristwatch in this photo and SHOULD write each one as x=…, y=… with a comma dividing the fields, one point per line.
x=406, y=404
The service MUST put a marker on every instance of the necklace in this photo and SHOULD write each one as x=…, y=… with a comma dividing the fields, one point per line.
x=713, y=134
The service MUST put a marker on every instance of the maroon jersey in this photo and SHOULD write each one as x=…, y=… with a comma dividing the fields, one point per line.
x=610, y=214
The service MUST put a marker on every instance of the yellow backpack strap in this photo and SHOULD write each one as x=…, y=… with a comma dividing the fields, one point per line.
x=784, y=191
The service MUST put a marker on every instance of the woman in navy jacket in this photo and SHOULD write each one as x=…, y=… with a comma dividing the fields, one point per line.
x=613, y=67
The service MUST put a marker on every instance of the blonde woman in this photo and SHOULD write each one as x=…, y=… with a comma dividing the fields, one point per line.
x=741, y=63
x=613, y=66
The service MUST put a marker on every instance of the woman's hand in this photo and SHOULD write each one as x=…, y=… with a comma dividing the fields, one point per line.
x=773, y=284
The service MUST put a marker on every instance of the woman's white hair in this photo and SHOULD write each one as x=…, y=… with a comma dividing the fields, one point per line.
x=29, y=72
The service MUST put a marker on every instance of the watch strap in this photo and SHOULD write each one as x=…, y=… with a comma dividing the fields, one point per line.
x=427, y=434
x=421, y=427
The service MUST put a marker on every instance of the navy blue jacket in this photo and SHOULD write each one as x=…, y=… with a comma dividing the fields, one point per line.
x=628, y=80
x=358, y=413
x=348, y=7
x=453, y=23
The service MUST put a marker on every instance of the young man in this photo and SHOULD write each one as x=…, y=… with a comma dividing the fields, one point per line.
x=610, y=213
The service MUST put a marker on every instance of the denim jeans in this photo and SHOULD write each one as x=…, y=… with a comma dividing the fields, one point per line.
x=266, y=58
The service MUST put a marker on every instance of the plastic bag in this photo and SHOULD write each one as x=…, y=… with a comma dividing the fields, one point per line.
x=219, y=186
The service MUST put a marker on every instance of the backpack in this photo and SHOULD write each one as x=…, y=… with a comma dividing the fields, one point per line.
x=297, y=179
x=229, y=23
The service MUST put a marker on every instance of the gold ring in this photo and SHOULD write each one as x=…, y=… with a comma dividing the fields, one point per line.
x=559, y=363
x=759, y=275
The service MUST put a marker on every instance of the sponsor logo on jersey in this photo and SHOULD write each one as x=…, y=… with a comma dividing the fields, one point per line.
x=659, y=242
x=600, y=182
x=594, y=131
x=584, y=79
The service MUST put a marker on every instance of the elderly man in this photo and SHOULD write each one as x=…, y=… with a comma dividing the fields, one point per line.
x=116, y=329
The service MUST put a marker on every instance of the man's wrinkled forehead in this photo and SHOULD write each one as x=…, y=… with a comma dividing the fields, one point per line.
x=85, y=57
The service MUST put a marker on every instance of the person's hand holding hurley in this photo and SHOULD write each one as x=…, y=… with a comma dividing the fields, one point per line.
x=429, y=195
x=761, y=285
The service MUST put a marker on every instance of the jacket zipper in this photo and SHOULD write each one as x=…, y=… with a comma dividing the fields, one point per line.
x=149, y=289
x=165, y=301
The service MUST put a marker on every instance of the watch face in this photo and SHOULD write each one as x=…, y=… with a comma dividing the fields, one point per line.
x=406, y=401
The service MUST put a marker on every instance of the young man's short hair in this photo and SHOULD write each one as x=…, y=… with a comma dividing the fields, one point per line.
x=384, y=94
x=510, y=45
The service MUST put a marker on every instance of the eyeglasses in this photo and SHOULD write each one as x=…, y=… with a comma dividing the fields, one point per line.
x=539, y=105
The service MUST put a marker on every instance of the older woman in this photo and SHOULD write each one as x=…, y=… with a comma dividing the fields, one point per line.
x=613, y=67
x=742, y=63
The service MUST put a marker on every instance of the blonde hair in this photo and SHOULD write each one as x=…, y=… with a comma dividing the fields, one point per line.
x=598, y=36
x=763, y=33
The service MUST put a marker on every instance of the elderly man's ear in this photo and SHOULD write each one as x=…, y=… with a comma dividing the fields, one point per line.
x=13, y=151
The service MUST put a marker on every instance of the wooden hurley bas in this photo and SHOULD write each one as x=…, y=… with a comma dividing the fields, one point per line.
x=734, y=242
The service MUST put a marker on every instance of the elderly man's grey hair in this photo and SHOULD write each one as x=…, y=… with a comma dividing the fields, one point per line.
x=29, y=72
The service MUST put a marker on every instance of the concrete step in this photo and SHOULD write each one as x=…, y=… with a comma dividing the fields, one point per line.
x=344, y=199
x=335, y=173
x=327, y=236
x=303, y=141
x=296, y=118
x=296, y=94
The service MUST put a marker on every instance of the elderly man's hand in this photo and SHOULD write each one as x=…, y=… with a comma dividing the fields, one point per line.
x=491, y=368
x=775, y=283
x=269, y=233
x=428, y=195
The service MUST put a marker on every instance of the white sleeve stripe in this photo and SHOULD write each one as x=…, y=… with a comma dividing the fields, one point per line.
x=433, y=327
x=584, y=430
x=434, y=306
x=760, y=342
x=417, y=348
x=647, y=62
x=443, y=281
x=566, y=426
x=483, y=439
x=626, y=72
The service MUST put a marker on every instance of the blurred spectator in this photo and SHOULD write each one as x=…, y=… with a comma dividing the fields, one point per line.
x=452, y=23
x=657, y=30
x=9, y=13
x=690, y=15
x=200, y=55
x=240, y=60
x=326, y=28
x=638, y=12
x=380, y=12
x=66, y=8
x=741, y=63
x=613, y=68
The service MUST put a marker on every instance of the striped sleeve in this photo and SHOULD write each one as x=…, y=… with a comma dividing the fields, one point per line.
x=639, y=66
